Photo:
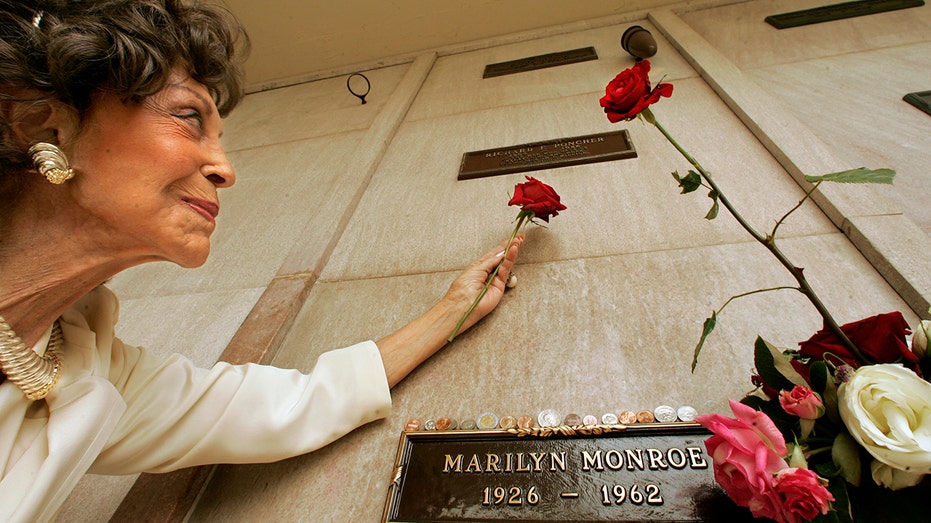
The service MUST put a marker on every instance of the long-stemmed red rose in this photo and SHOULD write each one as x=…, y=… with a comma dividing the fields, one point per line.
x=536, y=200
x=629, y=93
x=629, y=96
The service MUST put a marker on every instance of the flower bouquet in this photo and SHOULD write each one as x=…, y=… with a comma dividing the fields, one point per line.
x=838, y=429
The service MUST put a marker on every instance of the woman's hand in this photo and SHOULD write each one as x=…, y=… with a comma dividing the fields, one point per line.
x=470, y=283
x=408, y=347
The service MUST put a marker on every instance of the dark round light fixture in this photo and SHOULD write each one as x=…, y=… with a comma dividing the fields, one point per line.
x=638, y=42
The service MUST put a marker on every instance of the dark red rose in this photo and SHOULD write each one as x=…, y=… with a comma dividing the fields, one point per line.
x=880, y=338
x=537, y=197
x=630, y=93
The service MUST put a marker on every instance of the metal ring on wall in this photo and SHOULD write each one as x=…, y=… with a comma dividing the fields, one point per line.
x=368, y=86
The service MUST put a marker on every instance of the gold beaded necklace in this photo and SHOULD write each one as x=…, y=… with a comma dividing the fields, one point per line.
x=35, y=375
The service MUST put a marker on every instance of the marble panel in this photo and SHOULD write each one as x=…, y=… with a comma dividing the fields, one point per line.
x=864, y=120
x=308, y=110
x=456, y=84
x=904, y=263
x=740, y=32
x=623, y=206
x=279, y=190
x=95, y=498
x=198, y=326
x=590, y=335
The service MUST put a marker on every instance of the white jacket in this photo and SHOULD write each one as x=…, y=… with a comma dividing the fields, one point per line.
x=119, y=410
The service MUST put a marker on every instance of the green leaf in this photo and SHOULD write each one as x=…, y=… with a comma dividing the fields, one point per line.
x=841, y=511
x=829, y=397
x=846, y=455
x=818, y=374
x=689, y=183
x=713, y=212
x=705, y=331
x=765, y=361
x=860, y=175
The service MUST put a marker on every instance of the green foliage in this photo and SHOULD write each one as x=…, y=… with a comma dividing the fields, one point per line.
x=764, y=359
x=705, y=331
x=689, y=183
x=713, y=212
x=846, y=455
x=860, y=175
x=841, y=512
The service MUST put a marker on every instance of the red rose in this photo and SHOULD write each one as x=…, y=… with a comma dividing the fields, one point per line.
x=880, y=338
x=802, y=402
x=629, y=93
x=538, y=198
x=803, y=493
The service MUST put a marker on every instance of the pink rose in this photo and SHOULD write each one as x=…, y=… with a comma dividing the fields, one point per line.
x=746, y=452
x=802, y=402
x=803, y=494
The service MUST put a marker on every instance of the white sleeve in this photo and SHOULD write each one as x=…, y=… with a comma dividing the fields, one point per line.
x=179, y=415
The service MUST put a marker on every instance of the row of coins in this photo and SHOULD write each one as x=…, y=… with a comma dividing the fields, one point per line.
x=551, y=418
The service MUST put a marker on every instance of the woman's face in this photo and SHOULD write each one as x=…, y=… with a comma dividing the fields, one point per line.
x=148, y=174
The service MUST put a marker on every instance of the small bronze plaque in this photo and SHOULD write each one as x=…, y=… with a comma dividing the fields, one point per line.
x=561, y=152
x=542, y=61
x=840, y=11
x=655, y=472
x=921, y=100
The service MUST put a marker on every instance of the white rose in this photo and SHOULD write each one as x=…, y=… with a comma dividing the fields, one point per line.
x=920, y=338
x=891, y=478
x=887, y=409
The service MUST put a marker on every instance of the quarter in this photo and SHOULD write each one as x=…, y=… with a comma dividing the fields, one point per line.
x=549, y=418
x=665, y=414
x=687, y=413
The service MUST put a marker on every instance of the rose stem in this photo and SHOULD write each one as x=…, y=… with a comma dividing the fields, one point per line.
x=767, y=241
x=521, y=216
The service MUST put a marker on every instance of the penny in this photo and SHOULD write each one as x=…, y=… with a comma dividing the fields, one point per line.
x=609, y=418
x=525, y=422
x=590, y=420
x=627, y=417
x=467, y=424
x=412, y=425
x=445, y=424
x=665, y=414
x=430, y=424
x=487, y=421
x=549, y=418
x=572, y=420
x=645, y=416
x=686, y=413
x=508, y=422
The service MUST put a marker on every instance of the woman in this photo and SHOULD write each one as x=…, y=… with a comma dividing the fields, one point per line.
x=109, y=158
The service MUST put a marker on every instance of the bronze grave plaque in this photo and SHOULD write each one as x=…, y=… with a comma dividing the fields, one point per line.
x=542, y=61
x=549, y=154
x=920, y=99
x=656, y=472
x=829, y=13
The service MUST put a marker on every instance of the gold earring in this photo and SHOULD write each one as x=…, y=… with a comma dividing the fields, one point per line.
x=51, y=162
